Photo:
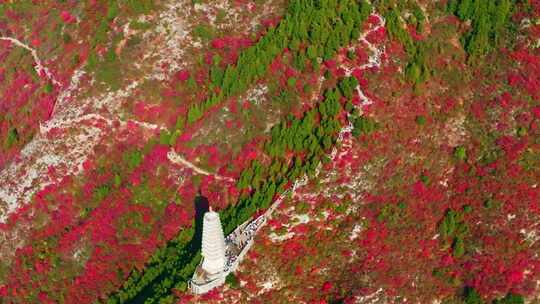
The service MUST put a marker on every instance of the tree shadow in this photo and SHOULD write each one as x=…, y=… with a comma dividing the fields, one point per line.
x=201, y=206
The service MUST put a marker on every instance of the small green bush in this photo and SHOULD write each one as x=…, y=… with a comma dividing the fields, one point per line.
x=12, y=138
x=232, y=281
x=420, y=120
x=472, y=297
x=510, y=298
x=460, y=153
x=363, y=126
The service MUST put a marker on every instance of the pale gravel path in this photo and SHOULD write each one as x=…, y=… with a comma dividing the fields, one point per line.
x=89, y=120
x=40, y=68
x=180, y=160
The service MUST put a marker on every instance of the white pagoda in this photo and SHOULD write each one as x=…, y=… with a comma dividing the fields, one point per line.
x=221, y=256
x=211, y=272
x=213, y=244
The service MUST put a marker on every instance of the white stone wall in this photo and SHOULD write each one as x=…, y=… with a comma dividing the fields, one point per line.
x=206, y=287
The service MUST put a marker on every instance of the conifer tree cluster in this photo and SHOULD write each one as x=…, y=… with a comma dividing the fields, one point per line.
x=489, y=20
x=310, y=29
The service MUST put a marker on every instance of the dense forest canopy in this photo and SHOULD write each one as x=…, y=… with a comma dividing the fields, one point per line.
x=397, y=141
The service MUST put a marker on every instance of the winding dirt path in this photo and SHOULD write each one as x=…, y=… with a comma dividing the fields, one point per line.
x=180, y=160
x=40, y=68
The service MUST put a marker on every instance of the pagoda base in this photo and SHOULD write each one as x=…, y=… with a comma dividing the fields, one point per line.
x=202, y=282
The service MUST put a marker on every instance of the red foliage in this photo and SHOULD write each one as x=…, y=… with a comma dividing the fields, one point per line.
x=182, y=75
x=326, y=287
x=512, y=146
x=212, y=295
x=230, y=42
x=3, y=291
x=67, y=17
x=377, y=36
